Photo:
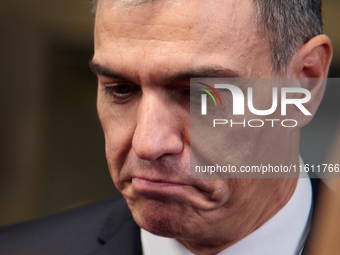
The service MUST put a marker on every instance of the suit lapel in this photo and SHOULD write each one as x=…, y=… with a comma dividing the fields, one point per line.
x=120, y=234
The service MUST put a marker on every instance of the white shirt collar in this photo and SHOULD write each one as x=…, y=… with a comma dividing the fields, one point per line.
x=284, y=234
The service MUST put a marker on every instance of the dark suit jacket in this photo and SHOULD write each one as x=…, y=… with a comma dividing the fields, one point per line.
x=102, y=228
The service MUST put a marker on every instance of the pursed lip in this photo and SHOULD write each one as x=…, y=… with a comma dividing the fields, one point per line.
x=198, y=192
x=137, y=181
x=163, y=185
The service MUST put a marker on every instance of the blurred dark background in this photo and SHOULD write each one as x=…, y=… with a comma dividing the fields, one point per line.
x=52, y=148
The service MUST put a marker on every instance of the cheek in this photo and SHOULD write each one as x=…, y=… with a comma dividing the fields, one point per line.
x=118, y=125
x=224, y=146
x=241, y=194
x=117, y=146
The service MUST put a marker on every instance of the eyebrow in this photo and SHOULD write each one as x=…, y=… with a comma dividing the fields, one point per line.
x=204, y=72
x=100, y=70
x=185, y=75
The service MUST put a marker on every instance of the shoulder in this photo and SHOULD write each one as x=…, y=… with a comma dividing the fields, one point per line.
x=72, y=232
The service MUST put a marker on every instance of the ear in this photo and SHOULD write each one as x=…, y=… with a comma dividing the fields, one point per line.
x=310, y=65
x=312, y=59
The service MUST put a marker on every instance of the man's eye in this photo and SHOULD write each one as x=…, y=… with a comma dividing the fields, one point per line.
x=121, y=92
x=121, y=89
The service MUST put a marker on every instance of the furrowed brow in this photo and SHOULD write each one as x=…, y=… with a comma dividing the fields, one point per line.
x=203, y=72
x=100, y=70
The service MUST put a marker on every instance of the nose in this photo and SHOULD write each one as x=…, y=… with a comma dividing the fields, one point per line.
x=158, y=130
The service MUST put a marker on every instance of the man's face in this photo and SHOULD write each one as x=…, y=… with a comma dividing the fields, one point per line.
x=144, y=56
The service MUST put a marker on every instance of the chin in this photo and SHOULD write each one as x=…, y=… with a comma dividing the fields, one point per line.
x=161, y=218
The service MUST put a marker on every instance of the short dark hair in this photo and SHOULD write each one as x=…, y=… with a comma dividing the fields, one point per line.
x=286, y=23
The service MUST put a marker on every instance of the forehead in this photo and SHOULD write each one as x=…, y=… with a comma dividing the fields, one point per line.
x=222, y=32
x=186, y=18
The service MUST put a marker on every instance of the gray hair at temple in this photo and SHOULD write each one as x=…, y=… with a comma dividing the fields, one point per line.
x=286, y=23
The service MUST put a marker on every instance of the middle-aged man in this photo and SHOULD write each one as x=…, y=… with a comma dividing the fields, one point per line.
x=145, y=54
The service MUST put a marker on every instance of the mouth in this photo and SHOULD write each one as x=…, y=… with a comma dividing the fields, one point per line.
x=174, y=189
x=142, y=185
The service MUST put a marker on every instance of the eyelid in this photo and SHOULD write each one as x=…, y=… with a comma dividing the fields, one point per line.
x=120, y=83
x=112, y=91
